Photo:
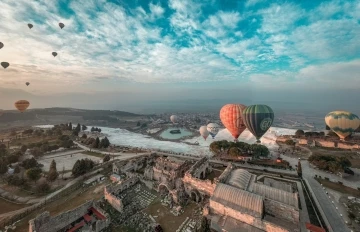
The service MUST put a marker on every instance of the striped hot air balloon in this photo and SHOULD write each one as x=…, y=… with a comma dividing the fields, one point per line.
x=258, y=119
x=22, y=105
x=231, y=117
x=204, y=132
x=343, y=123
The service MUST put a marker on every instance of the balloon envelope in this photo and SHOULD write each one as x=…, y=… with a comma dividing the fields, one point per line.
x=30, y=25
x=231, y=117
x=204, y=132
x=343, y=123
x=1, y=45
x=213, y=129
x=54, y=54
x=61, y=25
x=174, y=118
x=22, y=105
x=258, y=119
x=5, y=64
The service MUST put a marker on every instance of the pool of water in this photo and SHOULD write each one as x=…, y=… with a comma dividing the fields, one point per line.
x=167, y=135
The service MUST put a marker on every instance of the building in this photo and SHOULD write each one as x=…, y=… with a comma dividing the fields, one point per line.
x=88, y=217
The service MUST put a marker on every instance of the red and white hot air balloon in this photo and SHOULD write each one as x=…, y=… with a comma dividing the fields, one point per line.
x=231, y=117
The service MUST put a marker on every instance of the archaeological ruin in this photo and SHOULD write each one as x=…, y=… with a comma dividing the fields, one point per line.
x=87, y=217
x=234, y=199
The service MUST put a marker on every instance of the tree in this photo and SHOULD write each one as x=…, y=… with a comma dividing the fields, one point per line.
x=84, y=136
x=83, y=127
x=44, y=148
x=29, y=163
x=138, y=124
x=23, y=148
x=75, y=133
x=43, y=187
x=33, y=174
x=82, y=166
x=106, y=158
x=3, y=166
x=234, y=151
x=36, y=152
x=53, y=174
x=16, y=169
x=78, y=128
x=299, y=133
x=299, y=169
x=12, y=159
x=70, y=127
x=96, y=143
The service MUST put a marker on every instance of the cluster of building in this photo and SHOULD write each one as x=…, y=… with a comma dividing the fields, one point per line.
x=235, y=199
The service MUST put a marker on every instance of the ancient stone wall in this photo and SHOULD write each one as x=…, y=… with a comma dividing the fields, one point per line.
x=217, y=208
x=223, y=177
x=324, y=143
x=349, y=146
x=200, y=168
x=111, y=192
x=280, y=210
x=205, y=187
x=45, y=223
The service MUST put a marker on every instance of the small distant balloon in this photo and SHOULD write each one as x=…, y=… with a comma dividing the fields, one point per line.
x=61, y=25
x=30, y=25
x=54, y=54
x=27, y=83
x=5, y=64
x=1, y=45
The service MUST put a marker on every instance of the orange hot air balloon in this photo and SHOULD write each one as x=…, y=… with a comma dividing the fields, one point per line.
x=22, y=105
x=231, y=117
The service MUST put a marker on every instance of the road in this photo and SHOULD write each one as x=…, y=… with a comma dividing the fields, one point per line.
x=332, y=215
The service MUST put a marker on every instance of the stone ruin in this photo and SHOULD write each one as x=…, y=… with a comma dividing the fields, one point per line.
x=89, y=216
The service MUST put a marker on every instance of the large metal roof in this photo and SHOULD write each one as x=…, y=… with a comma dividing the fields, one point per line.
x=240, y=178
x=238, y=199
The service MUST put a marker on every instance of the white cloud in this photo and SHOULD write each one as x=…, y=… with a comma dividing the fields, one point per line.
x=253, y=2
x=156, y=10
x=342, y=75
x=279, y=18
x=331, y=39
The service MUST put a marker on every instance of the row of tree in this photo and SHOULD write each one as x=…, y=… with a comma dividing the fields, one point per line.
x=96, y=143
x=82, y=166
x=330, y=163
x=238, y=148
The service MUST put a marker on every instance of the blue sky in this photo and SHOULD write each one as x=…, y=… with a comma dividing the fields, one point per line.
x=153, y=47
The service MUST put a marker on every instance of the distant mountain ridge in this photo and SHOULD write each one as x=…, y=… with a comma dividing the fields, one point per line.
x=31, y=114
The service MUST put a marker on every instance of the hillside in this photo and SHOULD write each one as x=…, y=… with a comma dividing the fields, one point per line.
x=55, y=115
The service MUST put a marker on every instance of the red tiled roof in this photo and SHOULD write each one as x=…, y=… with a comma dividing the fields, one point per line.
x=98, y=214
x=87, y=218
x=77, y=226
x=314, y=228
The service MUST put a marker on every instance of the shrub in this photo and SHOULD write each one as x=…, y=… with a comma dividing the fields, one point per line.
x=43, y=187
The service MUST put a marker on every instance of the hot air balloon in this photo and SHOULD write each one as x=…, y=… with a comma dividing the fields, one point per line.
x=204, y=132
x=30, y=25
x=5, y=64
x=27, y=83
x=22, y=105
x=1, y=45
x=174, y=118
x=213, y=129
x=54, y=54
x=343, y=123
x=61, y=25
x=258, y=119
x=231, y=117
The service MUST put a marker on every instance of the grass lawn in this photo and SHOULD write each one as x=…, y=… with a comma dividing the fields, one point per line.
x=92, y=153
x=6, y=206
x=339, y=187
